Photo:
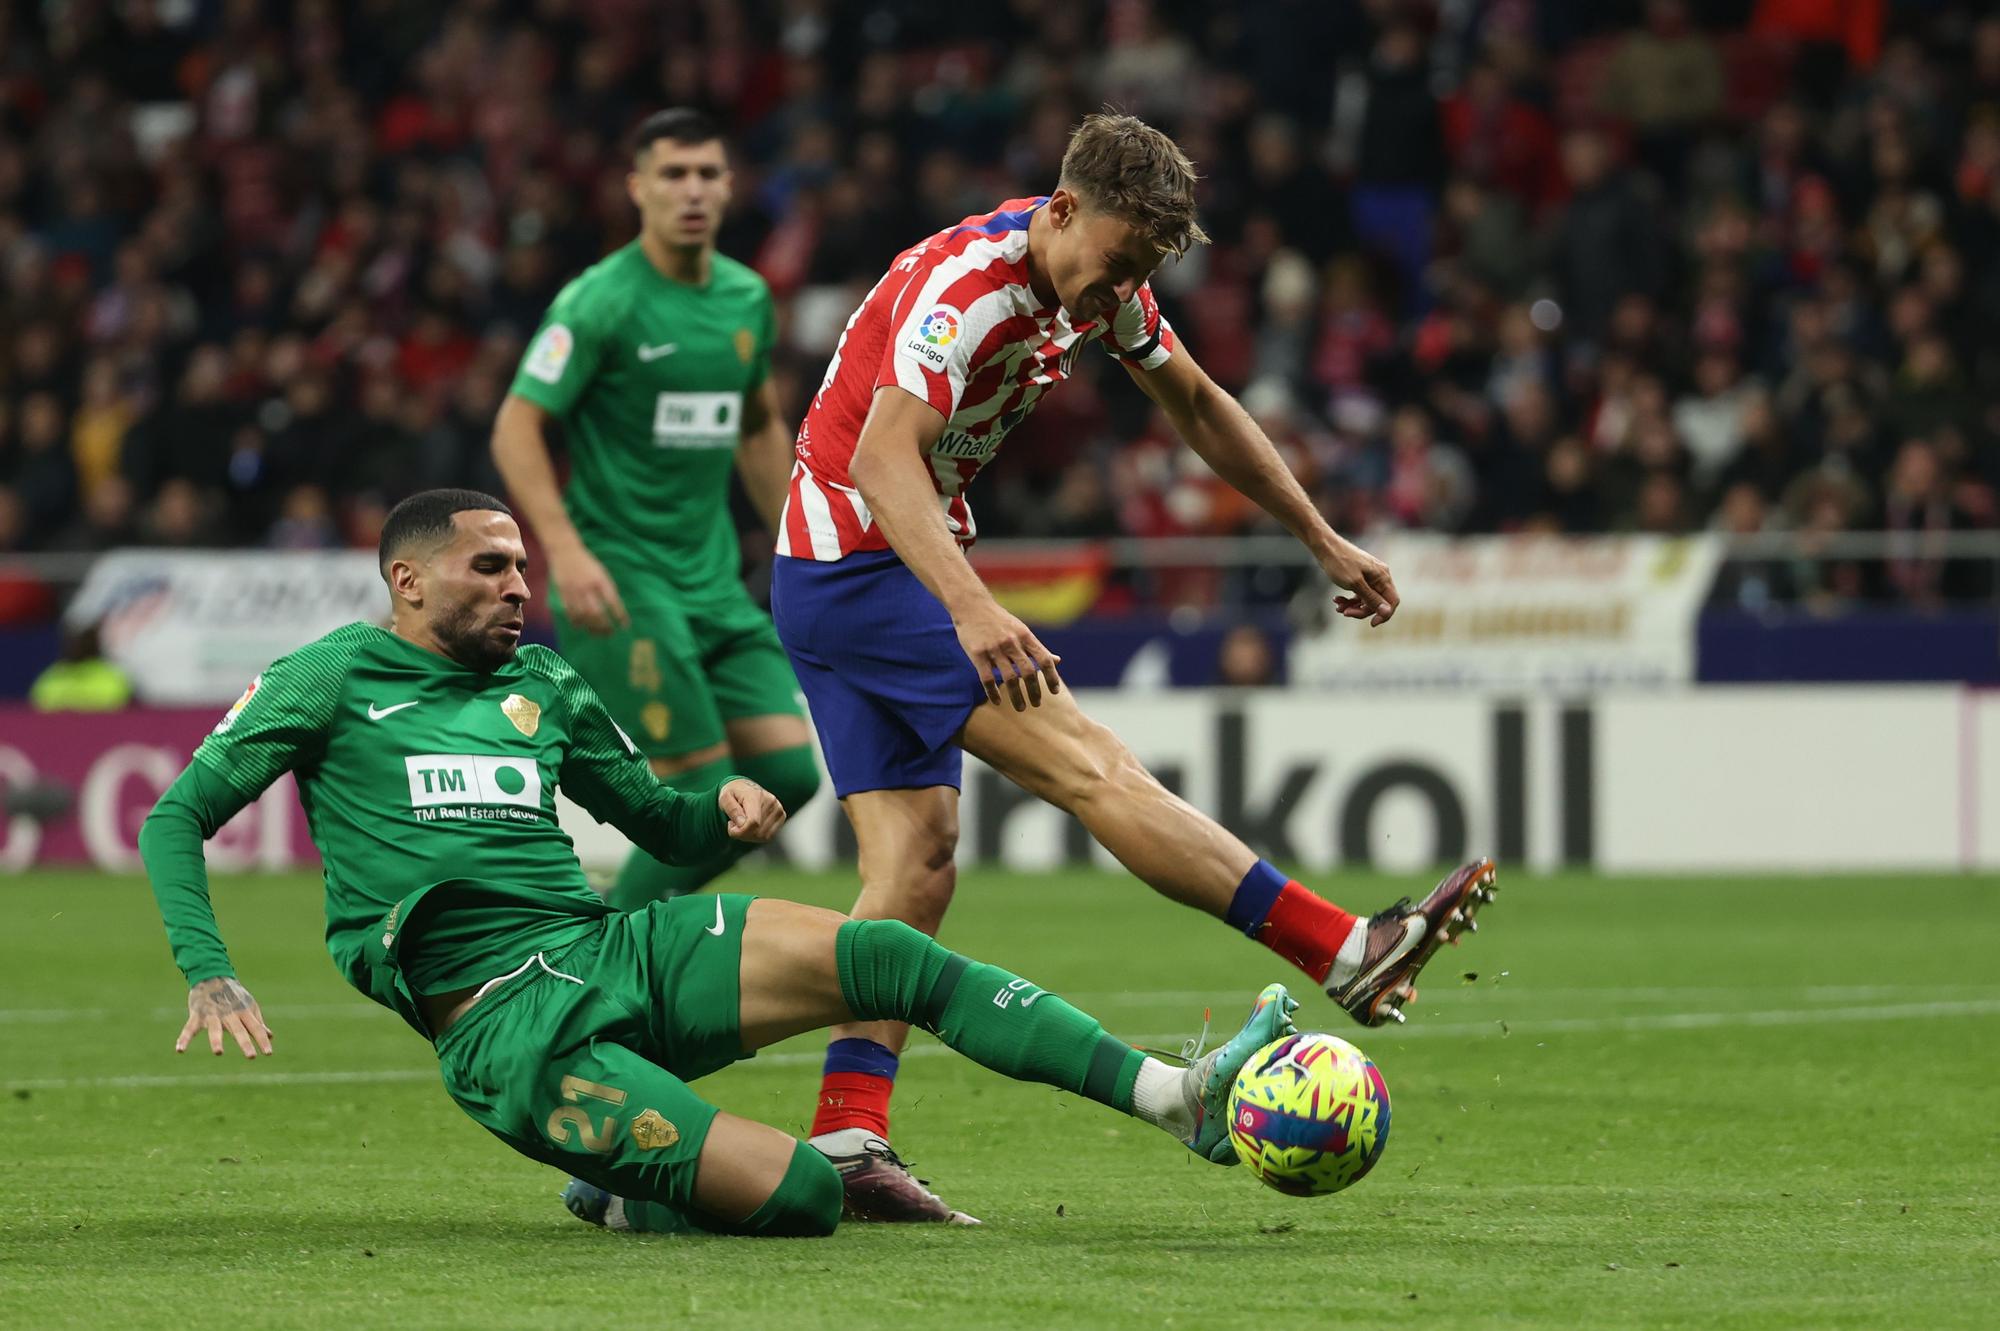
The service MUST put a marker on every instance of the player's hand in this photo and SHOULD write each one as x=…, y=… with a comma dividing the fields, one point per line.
x=754, y=813
x=1371, y=591
x=589, y=596
x=222, y=1005
x=1008, y=655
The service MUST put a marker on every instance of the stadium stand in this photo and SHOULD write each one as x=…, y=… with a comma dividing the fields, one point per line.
x=1510, y=265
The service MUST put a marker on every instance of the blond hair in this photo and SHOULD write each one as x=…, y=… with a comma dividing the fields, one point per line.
x=1122, y=165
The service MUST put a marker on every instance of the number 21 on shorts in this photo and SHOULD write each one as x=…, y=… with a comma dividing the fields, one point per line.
x=572, y=1122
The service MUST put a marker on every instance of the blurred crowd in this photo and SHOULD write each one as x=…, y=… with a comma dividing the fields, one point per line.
x=1478, y=265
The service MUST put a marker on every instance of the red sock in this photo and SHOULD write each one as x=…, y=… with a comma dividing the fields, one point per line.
x=853, y=1100
x=1306, y=930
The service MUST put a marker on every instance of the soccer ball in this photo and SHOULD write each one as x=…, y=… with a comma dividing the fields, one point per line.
x=1309, y=1114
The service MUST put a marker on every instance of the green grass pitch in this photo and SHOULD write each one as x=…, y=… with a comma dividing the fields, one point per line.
x=1698, y=1103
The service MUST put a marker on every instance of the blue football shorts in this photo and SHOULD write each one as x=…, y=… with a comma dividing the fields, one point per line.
x=879, y=662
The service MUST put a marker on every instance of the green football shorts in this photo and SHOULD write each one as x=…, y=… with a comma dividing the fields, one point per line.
x=677, y=672
x=582, y=1058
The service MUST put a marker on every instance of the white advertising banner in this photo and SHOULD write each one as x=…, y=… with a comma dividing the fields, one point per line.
x=1755, y=779
x=1523, y=612
x=1758, y=779
x=193, y=627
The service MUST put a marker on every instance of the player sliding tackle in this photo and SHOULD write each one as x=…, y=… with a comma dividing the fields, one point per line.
x=874, y=599
x=428, y=757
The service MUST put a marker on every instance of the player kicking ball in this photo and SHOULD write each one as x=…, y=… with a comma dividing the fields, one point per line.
x=657, y=363
x=874, y=599
x=428, y=756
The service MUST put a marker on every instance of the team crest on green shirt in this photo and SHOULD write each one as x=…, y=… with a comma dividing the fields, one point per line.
x=526, y=715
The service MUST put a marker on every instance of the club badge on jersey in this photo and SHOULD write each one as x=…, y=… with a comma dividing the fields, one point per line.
x=525, y=714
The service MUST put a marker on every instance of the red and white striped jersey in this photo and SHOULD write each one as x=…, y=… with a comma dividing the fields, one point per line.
x=955, y=322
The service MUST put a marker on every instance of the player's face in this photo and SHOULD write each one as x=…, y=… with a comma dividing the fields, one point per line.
x=681, y=190
x=1096, y=261
x=474, y=588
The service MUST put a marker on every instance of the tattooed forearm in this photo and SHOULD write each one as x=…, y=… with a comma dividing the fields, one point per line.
x=219, y=997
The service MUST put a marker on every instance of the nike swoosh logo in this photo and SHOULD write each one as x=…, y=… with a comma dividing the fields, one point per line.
x=647, y=353
x=375, y=714
x=716, y=928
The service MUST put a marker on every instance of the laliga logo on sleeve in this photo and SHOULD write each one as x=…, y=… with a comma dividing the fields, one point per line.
x=937, y=331
x=550, y=354
x=940, y=328
x=236, y=708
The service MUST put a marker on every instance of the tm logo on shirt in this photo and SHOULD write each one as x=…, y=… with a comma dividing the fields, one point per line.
x=697, y=420
x=471, y=785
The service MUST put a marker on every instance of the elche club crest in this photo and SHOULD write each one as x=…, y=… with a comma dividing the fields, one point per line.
x=524, y=713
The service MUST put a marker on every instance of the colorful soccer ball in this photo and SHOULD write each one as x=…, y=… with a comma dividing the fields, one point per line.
x=1309, y=1114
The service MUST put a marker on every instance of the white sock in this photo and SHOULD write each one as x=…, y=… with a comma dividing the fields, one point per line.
x=1159, y=1097
x=845, y=1141
x=1347, y=961
x=614, y=1215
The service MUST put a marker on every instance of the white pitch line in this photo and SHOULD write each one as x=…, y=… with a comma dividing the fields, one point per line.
x=52, y=1016
x=1492, y=983
x=1092, y=999
x=1655, y=1021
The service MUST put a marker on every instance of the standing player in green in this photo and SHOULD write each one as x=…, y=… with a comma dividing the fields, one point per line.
x=657, y=363
x=428, y=756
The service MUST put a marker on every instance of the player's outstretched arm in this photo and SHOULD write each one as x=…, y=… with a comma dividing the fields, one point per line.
x=521, y=455
x=170, y=842
x=889, y=470
x=1217, y=428
x=279, y=722
x=605, y=773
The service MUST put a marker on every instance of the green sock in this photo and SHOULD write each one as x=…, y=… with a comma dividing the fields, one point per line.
x=805, y=1203
x=892, y=972
x=658, y=1218
x=790, y=774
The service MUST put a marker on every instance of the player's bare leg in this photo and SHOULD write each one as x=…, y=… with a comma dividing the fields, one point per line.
x=906, y=839
x=1369, y=966
x=804, y=968
x=753, y=737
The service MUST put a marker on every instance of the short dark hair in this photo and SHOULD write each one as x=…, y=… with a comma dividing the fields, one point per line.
x=681, y=124
x=1121, y=164
x=425, y=519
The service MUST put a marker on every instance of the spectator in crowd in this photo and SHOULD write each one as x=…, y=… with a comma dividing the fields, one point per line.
x=1921, y=513
x=1246, y=659
x=1750, y=582
x=81, y=679
x=1665, y=81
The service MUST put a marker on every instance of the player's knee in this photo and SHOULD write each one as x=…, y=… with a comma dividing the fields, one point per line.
x=923, y=859
x=806, y=1203
x=887, y=969
x=935, y=838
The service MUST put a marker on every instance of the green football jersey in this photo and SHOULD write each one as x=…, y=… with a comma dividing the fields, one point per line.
x=430, y=792
x=649, y=377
